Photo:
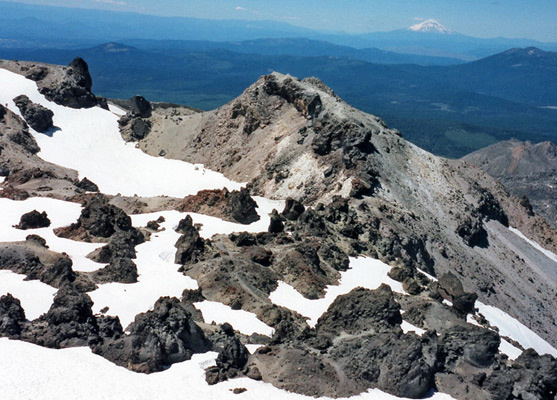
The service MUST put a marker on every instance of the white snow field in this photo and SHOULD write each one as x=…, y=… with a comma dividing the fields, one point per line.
x=31, y=372
x=89, y=141
x=363, y=272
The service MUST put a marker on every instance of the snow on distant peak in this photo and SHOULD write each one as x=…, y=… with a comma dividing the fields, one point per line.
x=431, y=26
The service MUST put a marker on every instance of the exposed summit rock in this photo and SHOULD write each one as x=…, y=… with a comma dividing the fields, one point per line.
x=38, y=117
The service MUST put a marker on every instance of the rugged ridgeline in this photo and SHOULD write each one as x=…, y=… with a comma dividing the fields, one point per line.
x=291, y=138
x=526, y=169
x=356, y=192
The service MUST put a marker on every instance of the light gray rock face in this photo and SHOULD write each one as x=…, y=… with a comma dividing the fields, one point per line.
x=526, y=169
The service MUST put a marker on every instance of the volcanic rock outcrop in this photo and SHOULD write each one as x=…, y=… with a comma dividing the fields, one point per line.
x=528, y=170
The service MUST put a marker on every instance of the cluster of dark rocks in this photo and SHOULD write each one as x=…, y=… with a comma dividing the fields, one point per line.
x=155, y=340
x=135, y=125
x=101, y=221
x=236, y=205
x=33, y=259
x=70, y=86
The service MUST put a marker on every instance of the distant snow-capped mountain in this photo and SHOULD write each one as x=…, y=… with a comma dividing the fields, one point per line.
x=430, y=26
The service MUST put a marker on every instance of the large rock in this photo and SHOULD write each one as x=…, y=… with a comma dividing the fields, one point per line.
x=190, y=246
x=361, y=310
x=120, y=269
x=157, y=339
x=70, y=87
x=140, y=107
x=68, y=323
x=12, y=316
x=38, y=117
x=33, y=220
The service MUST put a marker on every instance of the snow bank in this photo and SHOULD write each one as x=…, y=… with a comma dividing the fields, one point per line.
x=89, y=141
x=508, y=326
x=35, y=296
x=31, y=372
x=242, y=321
x=364, y=272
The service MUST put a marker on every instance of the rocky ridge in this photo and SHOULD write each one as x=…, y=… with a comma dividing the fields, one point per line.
x=527, y=170
x=354, y=188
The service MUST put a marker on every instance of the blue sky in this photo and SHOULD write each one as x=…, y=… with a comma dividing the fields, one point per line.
x=534, y=19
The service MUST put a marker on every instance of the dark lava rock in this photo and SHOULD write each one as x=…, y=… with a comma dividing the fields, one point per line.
x=473, y=232
x=68, y=323
x=276, y=225
x=120, y=269
x=469, y=344
x=292, y=209
x=140, y=128
x=241, y=207
x=103, y=219
x=80, y=73
x=38, y=117
x=121, y=245
x=37, y=240
x=157, y=338
x=33, y=220
x=190, y=245
x=87, y=185
x=451, y=289
x=59, y=273
x=140, y=107
x=2, y=112
x=100, y=219
x=12, y=316
x=361, y=310
x=73, y=89
x=230, y=362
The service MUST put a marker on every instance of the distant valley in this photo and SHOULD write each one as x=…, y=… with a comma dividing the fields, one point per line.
x=449, y=110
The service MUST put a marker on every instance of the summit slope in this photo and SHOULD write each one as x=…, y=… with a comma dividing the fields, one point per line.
x=386, y=247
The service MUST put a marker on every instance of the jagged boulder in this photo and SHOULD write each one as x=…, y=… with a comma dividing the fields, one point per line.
x=12, y=316
x=190, y=245
x=120, y=269
x=68, y=323
x=292, y=209
x=157, y=338
x=59, y=273
x=72, y=88
x=361, y=310
x=33, y=220
x=38, y=117
x=140, y=107
x=233, y=357
x=87, y=185
x=451, y=289
x=241, y=207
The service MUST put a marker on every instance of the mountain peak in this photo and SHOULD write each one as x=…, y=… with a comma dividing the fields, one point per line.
x=430, y=26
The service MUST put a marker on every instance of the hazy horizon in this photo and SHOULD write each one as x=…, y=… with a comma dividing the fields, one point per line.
x=481, y=19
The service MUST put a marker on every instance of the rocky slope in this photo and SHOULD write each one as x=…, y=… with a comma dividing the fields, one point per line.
x=526, y=169
x=291, y=138
x=357, y=195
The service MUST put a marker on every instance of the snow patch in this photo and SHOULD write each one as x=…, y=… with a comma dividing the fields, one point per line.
x=242, y=321
x=364, y=272
x=552, y=256
x=35, y=296
x=89, y=141
x=408, y=327
x=32, y=372
x=508, y=326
